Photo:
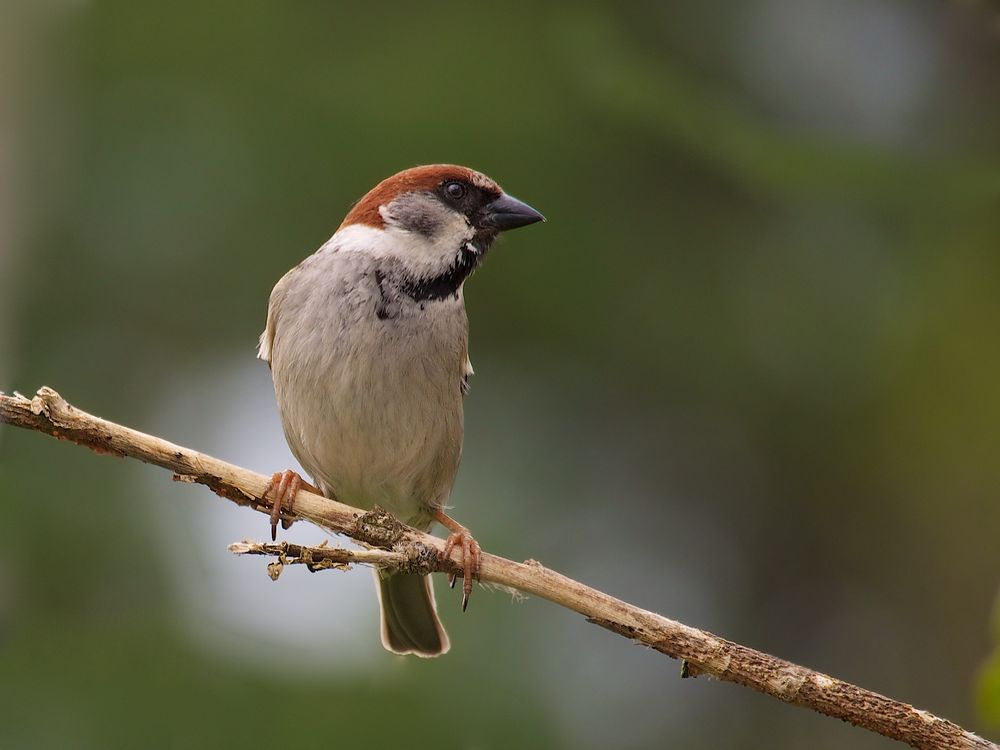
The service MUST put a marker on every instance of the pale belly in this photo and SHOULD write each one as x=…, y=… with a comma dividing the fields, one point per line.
x=376, y=420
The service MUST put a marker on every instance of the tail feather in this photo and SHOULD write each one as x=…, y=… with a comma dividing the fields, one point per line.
x=410, y=624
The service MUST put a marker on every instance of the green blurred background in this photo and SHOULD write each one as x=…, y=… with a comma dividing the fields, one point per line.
x=747, y=375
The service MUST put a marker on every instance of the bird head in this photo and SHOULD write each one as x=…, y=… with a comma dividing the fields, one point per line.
x=433, y=217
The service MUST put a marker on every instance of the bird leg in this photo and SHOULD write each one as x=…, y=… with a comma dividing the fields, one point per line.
x=471, y=553
x=286, y=485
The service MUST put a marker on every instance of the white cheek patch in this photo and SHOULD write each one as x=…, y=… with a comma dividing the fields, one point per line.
x=422, y=256
x=359, y=238
x=446, y=235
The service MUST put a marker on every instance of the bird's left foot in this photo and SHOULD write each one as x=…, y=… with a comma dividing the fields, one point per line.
x=471, y=554
x=285, y=485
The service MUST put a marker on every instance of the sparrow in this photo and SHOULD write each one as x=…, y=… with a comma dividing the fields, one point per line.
x=367, y=341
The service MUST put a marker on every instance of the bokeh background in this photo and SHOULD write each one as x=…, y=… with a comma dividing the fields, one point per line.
x=747, y=375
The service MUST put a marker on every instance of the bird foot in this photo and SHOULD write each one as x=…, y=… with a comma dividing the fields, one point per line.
x=285, y=485
x=461, y=538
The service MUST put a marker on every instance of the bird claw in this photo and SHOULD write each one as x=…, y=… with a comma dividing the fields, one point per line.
x=471, y=557
x=285, y=485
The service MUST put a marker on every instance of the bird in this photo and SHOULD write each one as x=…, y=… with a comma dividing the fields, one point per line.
x=367, y=342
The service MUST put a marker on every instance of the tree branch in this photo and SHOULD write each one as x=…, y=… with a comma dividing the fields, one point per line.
x=323, y=557
x=397, y=545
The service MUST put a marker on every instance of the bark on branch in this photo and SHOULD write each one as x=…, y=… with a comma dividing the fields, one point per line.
x=397, y=545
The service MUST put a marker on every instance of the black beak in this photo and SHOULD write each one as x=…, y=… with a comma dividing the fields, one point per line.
x=509, y=213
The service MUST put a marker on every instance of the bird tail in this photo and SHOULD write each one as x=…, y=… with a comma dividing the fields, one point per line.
x=410, y=623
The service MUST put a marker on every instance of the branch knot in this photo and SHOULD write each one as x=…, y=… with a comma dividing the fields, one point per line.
x=379, y=528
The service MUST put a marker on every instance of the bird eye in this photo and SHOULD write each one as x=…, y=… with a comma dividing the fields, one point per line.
x=455, y=190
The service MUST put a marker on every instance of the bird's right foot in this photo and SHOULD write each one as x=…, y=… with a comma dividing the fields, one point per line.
x=285, y=485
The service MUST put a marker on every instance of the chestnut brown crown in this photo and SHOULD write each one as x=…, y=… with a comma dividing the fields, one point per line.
x=429, y=177
x=461, y=188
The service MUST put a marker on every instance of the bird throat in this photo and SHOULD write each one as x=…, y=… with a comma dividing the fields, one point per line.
x=446, y=284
